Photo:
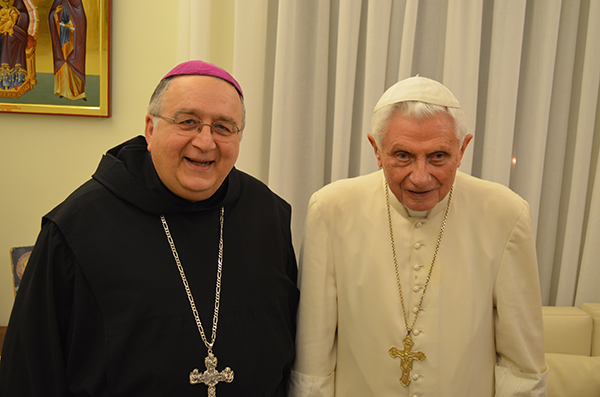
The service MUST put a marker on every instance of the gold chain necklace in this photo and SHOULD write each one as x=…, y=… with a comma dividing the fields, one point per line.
x=211, y=376
x=406, y=355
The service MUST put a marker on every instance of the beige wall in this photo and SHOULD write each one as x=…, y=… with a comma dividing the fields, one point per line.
x=44, y=158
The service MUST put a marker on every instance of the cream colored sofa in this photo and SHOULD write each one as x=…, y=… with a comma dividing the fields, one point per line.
x=572, y=345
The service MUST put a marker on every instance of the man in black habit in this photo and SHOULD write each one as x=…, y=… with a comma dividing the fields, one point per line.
x=169, y=273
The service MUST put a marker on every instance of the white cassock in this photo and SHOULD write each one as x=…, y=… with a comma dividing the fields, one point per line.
x=480, y=326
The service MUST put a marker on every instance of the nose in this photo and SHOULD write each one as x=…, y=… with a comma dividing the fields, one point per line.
x=204, y=138
x=420, y=175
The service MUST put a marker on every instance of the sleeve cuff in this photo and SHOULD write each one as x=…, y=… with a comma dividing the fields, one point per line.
x=301, y=385
x=511, y=382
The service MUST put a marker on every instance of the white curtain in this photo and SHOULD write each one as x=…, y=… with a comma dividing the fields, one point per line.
x=526, y=72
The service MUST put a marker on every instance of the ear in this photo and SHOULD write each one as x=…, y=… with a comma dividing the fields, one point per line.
x=463, y=148
x=375, y=149
x=149, y=130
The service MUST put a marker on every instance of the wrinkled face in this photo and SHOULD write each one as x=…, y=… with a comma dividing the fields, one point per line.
x=194, y=167
x=420, y=158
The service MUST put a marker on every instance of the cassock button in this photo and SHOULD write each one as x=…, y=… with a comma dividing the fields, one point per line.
x=418, y=225
x=417, y=267
x=415, y=310
x=416, y=377
x=417, y=288
x=418, y=246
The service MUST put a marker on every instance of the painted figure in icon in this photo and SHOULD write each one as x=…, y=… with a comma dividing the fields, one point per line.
x=14, y=22
x=68, y=26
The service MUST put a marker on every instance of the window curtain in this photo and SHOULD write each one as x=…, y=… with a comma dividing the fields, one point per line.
x=527, y=73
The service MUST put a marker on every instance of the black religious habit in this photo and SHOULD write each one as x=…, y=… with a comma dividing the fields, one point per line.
x=102, y=310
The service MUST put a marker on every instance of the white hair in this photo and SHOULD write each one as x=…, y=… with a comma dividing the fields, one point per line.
x=419, y=111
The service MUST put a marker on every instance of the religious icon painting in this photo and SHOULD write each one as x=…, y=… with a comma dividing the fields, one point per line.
x=54, y=57
x=19, y=256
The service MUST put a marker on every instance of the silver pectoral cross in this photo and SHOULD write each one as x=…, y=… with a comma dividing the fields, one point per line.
x=211, y=376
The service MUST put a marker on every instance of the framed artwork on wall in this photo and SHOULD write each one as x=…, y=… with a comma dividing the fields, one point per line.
x=55, y=57
x=19, y=256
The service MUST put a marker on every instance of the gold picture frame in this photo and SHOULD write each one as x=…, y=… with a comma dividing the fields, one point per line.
x=55, y=57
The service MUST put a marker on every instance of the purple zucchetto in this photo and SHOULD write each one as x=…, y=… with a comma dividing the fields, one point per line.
x=201, y=68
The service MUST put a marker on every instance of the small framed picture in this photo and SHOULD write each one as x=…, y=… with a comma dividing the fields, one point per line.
x=19, y=256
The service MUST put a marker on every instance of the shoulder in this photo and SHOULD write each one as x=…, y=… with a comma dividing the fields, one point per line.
x=339, y=199
x=84, y=200
x=351, y=188
x=252, y=189
x=487, y=198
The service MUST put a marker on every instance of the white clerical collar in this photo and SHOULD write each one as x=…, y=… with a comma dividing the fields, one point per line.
x=416, y=214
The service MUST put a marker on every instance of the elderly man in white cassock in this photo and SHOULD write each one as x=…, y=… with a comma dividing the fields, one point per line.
x=419, y=280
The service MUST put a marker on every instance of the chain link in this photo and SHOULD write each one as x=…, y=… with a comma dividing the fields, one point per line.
x=188, y=291
x=435, y=252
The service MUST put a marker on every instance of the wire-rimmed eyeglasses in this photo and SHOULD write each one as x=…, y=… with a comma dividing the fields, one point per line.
x=190, y=125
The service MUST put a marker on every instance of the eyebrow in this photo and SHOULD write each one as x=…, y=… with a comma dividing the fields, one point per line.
x=400, y=148
x=193, y=113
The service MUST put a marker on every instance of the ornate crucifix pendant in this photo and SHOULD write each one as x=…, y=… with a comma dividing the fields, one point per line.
x=211, y=376
x=406, y=358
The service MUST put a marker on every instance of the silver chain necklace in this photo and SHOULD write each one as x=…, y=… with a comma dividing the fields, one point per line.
x=211, y=376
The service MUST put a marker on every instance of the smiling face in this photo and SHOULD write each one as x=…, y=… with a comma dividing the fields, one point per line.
x=420, y=158
x=194, y=167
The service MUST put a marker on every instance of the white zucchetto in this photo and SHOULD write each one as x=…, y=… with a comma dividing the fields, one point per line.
x=419, y=89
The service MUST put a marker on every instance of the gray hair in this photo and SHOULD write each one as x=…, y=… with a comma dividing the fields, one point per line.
x=155, y=105
x=419, y=111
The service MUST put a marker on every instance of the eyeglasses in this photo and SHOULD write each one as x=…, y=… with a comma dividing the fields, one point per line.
x=189, y=125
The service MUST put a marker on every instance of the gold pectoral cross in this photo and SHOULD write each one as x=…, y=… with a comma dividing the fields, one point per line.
x=211, y=376
x=406, y=358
